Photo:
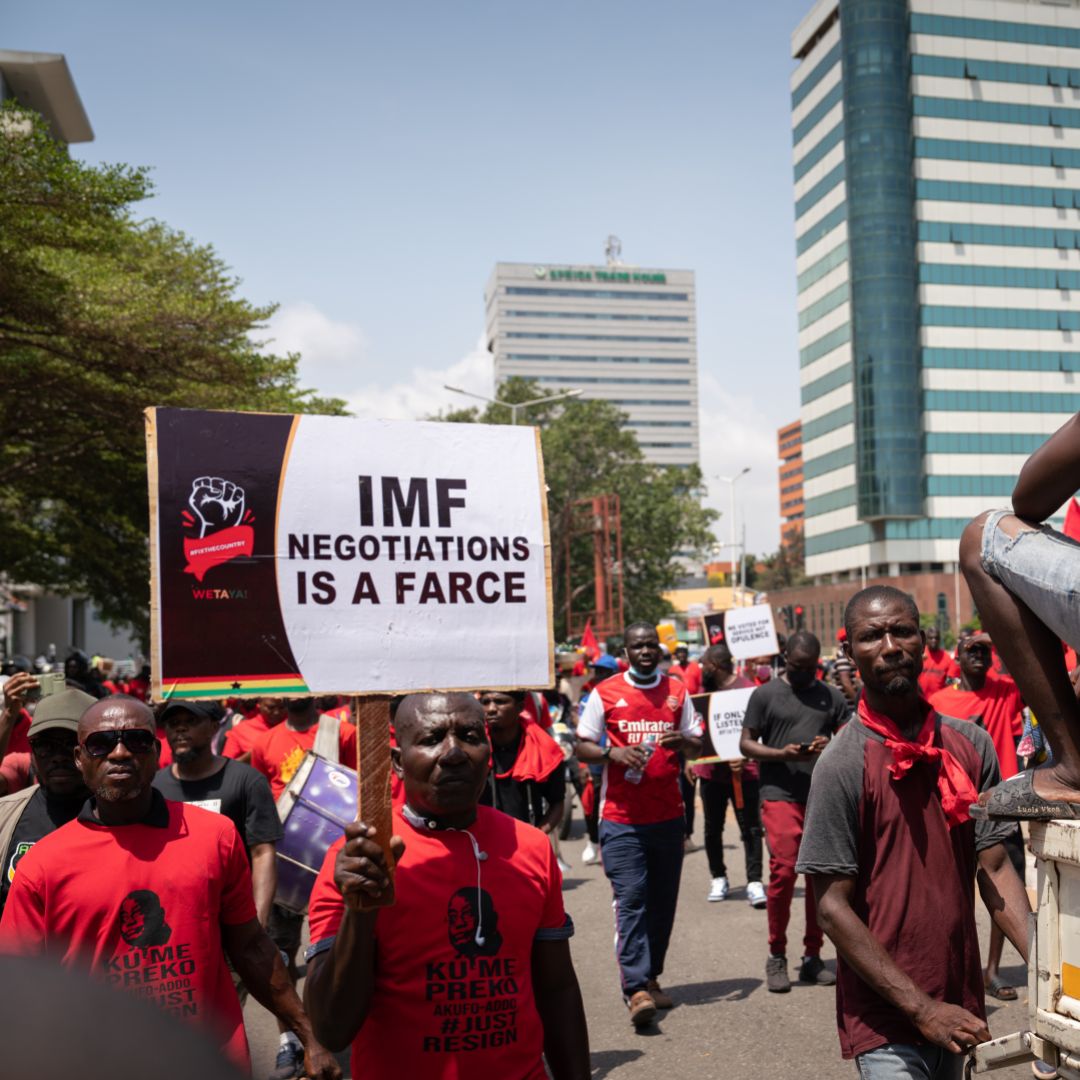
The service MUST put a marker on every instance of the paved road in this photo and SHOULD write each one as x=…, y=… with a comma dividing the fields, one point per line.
x=725, y=1023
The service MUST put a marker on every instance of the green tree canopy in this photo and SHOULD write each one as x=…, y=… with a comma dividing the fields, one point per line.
x=589, y=452
x=101, y=316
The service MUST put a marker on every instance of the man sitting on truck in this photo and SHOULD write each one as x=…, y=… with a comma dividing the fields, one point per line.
x=892, y=853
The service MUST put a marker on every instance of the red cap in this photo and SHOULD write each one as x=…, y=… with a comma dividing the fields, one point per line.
x=841, y=634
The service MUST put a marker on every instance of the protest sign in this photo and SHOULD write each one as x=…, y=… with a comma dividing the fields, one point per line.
x=750, y=632
x=296, y=555
x=714, y=627
x=726, y=711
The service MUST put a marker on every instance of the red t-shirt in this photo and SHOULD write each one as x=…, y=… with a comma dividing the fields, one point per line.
x=628, y=713
x=141, y=907
x=445, y=1007
x=997, y=707
x=690, y=676
x=935, y=672
x=165, y=757
x=277, y=753
x=15, y=769
x=242, y=737
x=18, y=743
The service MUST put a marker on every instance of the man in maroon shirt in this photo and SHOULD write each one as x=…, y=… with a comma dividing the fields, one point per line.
x=893, y=854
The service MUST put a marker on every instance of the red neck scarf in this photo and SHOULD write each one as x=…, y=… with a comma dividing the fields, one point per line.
x=539, y=755
x=954, y=785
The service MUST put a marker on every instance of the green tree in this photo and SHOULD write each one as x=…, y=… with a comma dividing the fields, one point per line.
x=101, y=316
x=785, y=567
x=589, y=452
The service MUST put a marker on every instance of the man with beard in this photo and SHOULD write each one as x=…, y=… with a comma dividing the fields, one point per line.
x=486, y=991
x=68, y=897
x=789, y=721
x=34, y=812
x=893, y=855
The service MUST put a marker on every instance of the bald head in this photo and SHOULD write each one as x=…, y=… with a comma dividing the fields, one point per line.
x=119, y=710
x=417, y=710
x=875, y=599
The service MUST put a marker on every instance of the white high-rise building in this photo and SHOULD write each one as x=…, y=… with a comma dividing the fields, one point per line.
x=617, y=333
x=937, y=204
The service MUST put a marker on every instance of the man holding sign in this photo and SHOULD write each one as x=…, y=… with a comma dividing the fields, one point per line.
x=459, y=967
x=648, y=720
x=788, y=722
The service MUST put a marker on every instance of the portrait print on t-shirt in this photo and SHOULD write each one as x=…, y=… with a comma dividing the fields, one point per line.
x=473, y=923
x=142, y=920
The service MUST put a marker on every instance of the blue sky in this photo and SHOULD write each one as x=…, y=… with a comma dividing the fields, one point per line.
x=365, y=165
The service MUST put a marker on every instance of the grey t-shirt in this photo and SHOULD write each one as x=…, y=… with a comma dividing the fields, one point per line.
x=914, y=876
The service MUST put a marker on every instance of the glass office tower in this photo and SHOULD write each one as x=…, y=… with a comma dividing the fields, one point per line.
x=937, y=205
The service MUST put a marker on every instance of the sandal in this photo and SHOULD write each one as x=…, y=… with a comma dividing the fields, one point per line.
x=999, y=988
x=1015, y=799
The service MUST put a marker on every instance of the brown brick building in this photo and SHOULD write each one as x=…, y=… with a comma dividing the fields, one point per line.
x=935, y=593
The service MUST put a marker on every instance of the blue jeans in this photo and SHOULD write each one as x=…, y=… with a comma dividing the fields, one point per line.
x=643, y=864
x=901, y=1061
x=1042, y=568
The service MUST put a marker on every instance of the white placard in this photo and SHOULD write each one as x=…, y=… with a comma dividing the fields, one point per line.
x=726, y=711
x=750, y=632
x=302, y=555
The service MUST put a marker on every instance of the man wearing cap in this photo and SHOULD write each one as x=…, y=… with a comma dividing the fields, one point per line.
x=36, y=811
x=197, y=775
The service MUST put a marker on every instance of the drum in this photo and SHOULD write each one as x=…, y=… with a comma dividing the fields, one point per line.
x=314, y=810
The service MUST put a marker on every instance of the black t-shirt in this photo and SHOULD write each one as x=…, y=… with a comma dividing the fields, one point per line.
x=527, y=801
x=238, y=792
x=780, y=715
x=41, y=815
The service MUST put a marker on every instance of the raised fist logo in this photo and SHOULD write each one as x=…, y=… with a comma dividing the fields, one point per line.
x=218, y=504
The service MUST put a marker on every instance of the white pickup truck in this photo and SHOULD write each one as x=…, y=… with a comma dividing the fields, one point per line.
x=1053, y=1032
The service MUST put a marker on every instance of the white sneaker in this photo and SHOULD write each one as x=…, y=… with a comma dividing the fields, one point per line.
x=719, y=889
x=564, y=866
x=590, y=856
x=755, y=894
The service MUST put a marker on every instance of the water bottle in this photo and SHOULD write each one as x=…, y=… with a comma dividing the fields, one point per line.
x=648, y=744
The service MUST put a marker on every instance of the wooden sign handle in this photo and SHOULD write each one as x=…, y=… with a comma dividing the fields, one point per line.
x=373, y=766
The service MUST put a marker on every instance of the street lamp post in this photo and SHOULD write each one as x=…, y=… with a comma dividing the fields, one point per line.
x=513, y=406
x=731, y=481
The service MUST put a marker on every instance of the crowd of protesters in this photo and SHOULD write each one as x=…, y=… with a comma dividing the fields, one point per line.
x=142, y=840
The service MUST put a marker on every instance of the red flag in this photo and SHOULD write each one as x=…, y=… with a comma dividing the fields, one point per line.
x=588, y=642
x=1072, y=521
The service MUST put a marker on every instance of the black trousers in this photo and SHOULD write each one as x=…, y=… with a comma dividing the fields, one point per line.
x=715, y=796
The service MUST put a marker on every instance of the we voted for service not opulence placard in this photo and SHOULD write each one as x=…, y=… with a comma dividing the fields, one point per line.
x=296, y=555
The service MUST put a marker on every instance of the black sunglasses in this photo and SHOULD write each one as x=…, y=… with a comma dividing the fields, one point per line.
x=103, y=743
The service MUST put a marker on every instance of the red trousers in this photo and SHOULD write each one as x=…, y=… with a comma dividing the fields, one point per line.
x=783, y=823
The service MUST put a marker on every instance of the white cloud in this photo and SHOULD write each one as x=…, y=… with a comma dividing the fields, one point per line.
x=335, y=361
x=422, y=394
x=735, y=433
x=332, y=352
